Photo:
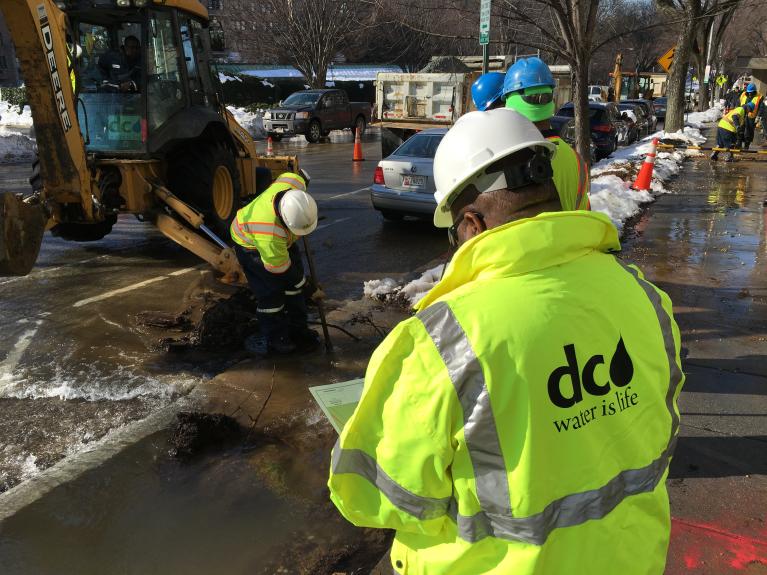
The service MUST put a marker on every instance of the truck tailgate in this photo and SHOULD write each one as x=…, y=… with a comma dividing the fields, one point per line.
x=436, y=99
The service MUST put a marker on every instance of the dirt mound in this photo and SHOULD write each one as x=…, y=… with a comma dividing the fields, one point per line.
x=195, y=433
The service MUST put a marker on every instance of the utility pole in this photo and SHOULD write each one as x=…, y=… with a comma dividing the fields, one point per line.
x=484, y=32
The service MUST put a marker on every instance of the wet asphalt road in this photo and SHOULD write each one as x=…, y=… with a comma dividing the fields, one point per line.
x=74, y=360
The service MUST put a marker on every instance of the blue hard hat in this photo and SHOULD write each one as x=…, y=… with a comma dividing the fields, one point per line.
x=486, y=90
x=751, y=87
x=527, y=73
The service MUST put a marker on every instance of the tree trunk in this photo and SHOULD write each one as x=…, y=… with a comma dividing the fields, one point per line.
x=580, y=80
x=678, y=76
x=700, y=67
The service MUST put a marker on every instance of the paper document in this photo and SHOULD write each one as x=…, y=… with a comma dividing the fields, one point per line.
x=338, y=400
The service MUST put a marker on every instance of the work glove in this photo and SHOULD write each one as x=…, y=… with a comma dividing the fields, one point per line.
x=312, y=291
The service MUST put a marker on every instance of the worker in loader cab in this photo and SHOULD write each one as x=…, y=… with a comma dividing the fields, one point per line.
x=265, y=234
x=524, y=420
x=123, y=69
x=529, y=89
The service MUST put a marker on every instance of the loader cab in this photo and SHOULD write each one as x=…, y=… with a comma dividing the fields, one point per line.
x=143, y=79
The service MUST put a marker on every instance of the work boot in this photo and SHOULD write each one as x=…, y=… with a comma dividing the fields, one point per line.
x=305, y=339
x=714, y=156
x=729, y=157
x=746, y=145
x=257, y=344
x=262, y=345
x=281, y=345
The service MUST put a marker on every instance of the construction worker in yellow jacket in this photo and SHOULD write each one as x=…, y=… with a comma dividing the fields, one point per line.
x=749, y=96
x=729, y=129
x=523, y=421
x=529, y=89
x=265, y=234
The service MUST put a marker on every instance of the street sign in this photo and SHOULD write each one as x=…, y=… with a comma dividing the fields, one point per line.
x=666, y=59
x=484, y=22
x=707, y=77
x=721, y=80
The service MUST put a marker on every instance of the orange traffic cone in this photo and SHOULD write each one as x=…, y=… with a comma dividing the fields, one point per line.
x=645, y=174
x=357, y=157
x=269, y=148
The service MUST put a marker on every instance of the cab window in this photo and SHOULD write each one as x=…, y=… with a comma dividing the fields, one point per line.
x=165, y=93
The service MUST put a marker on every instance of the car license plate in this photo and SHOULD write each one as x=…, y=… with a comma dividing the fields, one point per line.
x=414, y=181
x=279, y=130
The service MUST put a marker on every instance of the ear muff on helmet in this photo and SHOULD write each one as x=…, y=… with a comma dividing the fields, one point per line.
x=536, y=170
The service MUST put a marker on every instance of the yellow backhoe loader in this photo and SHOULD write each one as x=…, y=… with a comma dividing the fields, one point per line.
x=128, y=117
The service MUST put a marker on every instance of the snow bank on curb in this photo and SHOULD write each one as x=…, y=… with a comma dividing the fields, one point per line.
x=252, y=122
x=15, y=147
x=10, y=116
x=698, y=119
x=610, y=194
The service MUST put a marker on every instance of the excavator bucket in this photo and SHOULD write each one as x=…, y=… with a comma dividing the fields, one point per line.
x=22, y=226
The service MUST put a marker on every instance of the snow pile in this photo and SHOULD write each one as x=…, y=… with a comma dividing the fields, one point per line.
x=252, y=122
x=15, y=147
x=698, y=119
x=224, y=78
x=10, y=116
x=389, y=291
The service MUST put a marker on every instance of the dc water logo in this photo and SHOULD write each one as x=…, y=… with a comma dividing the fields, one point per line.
x=568, y=383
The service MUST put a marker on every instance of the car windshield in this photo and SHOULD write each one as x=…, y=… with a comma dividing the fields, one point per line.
x=420, y=146
x=302, y=98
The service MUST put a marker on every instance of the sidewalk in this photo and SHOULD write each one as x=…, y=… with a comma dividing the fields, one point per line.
x=705, y=245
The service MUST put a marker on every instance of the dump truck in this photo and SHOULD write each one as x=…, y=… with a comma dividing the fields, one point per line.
x=408, y=103
x=128, y=117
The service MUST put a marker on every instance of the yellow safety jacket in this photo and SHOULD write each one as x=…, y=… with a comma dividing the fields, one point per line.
x=728, y=123
x=573, y=192
x=258, y=226
x=523, y=421
x=755, y=100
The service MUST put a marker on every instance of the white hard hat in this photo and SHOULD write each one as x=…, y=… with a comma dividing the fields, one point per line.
x=477, y=140
x=299, y=212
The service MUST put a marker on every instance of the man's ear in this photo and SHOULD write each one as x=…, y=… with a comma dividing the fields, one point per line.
x=474, y=225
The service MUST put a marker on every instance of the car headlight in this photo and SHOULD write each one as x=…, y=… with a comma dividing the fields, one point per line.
x=267, y=115
x=302, y=115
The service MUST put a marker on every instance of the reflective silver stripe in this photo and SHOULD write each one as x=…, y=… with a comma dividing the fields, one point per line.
x=291, y=181
x=573, y=509
x=293, y=292
x=270, y=309
x=278, y=269
x=664, y=320
x=236, y=231
x=264, y=228
x=360, y=463
x=301, y=283
x=479, y=429
x=567, y=511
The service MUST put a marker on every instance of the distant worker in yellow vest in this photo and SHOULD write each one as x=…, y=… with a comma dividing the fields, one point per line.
x=529, y=89
x=265, y=234
x=750, y=96
x=731, y=124
x=523, y=421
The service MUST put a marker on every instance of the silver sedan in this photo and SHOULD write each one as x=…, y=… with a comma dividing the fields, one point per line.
x=403, y=183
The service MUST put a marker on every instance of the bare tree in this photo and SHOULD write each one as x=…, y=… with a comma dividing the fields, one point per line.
x=690, y=15
x=709, y=32
x=309, y=33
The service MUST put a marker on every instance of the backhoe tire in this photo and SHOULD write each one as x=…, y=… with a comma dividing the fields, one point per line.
x=207, y=178
x=314, y=132
x=73, y=232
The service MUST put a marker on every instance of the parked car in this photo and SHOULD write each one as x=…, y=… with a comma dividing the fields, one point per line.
x=636, y=120
x=604, y=118
x=315, y=113
x=565, y=127
x=597, y=93
x=647, y=106
x=659, y=107
x=403, y=183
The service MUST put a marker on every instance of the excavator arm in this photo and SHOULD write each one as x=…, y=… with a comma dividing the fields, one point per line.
x=38, y=29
